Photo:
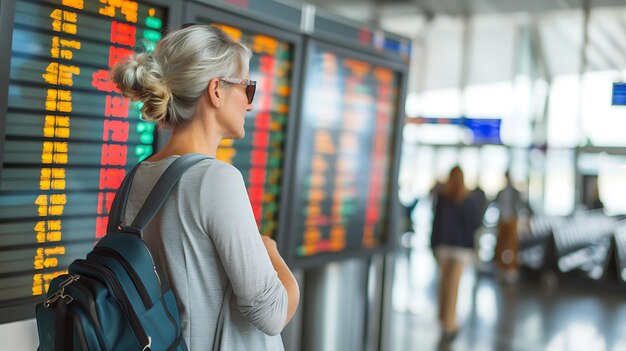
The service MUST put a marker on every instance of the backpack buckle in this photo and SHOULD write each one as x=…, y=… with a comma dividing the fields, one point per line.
x=60, y=294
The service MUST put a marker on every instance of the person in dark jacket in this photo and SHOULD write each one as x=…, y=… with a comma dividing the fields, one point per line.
x=457, y=215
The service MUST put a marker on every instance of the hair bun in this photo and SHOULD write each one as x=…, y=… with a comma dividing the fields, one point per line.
x=140, y=78
x=171, y=80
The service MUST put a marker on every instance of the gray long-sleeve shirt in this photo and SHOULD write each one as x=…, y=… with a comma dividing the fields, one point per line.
x=203, y=237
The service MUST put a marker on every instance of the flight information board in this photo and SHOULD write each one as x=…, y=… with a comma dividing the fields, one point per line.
x=345, y=146
x=260, y=154
x=70, y=136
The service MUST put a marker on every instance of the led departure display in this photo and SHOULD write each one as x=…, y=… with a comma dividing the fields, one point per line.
x=259, y=156
x=343, y=160
x=70, y=135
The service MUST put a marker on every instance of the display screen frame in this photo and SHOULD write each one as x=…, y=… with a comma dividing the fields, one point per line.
x=7, y=14
x=200, y=13
x=24, y=308
x=313, y=45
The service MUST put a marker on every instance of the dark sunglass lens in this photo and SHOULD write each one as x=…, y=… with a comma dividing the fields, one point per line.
x=250, y=89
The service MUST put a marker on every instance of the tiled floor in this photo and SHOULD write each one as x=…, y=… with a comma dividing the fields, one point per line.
x=500, y=317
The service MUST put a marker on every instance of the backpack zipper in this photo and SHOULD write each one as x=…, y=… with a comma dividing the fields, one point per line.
x=171, y=318
x=176, y=343
x=118, y=292
x=141, y=288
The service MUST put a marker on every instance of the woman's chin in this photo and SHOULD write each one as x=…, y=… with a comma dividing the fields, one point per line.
x=236, y=135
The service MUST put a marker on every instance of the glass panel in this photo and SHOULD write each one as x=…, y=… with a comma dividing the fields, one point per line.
x=440, y=103
x=603, y=124
x=612, y=183
x=494, y=161
x=469, y=160
x=560, y=176
x=563, y=126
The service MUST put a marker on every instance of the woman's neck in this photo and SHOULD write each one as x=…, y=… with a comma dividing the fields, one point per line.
x=198, y=135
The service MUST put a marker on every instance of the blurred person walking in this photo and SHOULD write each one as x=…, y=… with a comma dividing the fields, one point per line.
x=509, y=202
x=457, y=215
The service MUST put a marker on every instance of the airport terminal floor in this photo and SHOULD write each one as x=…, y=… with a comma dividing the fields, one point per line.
x=528, y=315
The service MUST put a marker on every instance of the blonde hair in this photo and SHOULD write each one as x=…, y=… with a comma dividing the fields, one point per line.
x=170, y=81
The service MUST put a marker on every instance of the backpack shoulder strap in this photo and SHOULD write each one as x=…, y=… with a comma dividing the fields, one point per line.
x=155, y=199
x=162, y=189
x=119, y=202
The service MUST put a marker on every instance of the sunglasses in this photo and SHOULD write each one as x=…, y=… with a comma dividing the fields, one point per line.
x=250, y=86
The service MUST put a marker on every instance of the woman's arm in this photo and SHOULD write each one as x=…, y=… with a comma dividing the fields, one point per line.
x=258, y=281
x=284, y=275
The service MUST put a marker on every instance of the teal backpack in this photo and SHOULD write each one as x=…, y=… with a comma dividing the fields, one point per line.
x=113, y=299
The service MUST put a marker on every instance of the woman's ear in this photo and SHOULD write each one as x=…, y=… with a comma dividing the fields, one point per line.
x=214, y=92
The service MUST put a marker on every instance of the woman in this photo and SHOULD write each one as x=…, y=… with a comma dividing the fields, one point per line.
x=456, y=218
x=205, y=239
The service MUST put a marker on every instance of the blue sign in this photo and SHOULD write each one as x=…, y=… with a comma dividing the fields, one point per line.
x=619, y=94
x=485, y=131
